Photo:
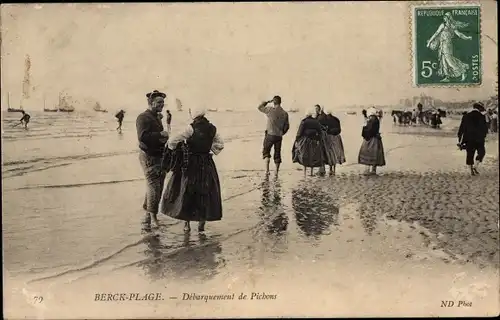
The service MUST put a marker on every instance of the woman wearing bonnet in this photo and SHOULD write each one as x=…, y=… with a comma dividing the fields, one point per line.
x=333, y=141
x=193, y=190
x=371, y=152
x=308, y=149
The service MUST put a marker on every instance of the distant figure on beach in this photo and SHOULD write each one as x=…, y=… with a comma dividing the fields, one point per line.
x=436, y=120
x=487, y=116
x=152, y=139
x=120, y=115
x=25, y=119
x=193, y=191
x=442, y=41
x=277, y=127
x=371, y=152
x=333, y=141
x=494, y=122
x=395, y=117
x=472, y=135
x=308, y=148
x=169, y=121
x=414, y=116
x=380, y=115
x=420, y=113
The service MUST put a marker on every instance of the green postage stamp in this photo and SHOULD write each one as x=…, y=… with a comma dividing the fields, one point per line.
x=446, y=43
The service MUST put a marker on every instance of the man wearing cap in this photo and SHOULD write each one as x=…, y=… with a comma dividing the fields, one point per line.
x=277, y=127
x=152, y=139
x=472, y=135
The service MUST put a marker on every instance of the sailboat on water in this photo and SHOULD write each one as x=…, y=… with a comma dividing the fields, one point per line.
x=98, y=108
x=179, y=104
x=46, y=109
x=64, y=106
x=9, y=109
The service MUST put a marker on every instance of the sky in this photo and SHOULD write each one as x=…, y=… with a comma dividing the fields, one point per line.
x=221, y=55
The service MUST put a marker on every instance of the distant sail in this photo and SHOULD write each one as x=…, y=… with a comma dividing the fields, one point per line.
x=64, y=106
x=179, y=104
x=27, y=80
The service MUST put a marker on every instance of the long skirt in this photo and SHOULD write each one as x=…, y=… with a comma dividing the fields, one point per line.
x=193, y=194
x=308, y=152
x=155, y=178
x=371, y=152
x=334, y=149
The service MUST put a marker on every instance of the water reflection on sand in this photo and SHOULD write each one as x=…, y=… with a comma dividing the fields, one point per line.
x=271, y=210
x=199, y=257
x=315, y=210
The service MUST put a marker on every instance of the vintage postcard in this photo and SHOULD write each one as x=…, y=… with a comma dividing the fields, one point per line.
x=237, y=160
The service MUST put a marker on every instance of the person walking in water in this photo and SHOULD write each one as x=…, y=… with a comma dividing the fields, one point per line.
x=152, y=139
x=277, y=127
x=120, y=115
x=472, y=135
x=169, y=121
x=193, y=192
x=25, y=119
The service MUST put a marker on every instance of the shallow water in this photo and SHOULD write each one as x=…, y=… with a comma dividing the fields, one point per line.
x=73, y=192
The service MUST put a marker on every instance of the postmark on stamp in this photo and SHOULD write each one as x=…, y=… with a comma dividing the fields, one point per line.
x=446, y=43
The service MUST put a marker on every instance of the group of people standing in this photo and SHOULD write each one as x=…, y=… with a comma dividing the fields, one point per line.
x=193, y=191
x=318, y=141
x=418, y=116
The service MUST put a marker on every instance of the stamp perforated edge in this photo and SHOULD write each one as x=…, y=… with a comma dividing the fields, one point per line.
x=411, y=27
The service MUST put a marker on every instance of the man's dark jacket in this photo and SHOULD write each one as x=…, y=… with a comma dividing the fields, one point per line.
x=473, y=128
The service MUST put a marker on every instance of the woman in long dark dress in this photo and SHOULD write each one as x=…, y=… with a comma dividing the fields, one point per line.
x=334, y=146
x=193, y=191
x=308, y=149
x=371, y=152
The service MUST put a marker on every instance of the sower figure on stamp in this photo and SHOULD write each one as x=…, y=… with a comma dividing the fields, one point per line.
x=472, y=135
x=152, y=139
x=277, y=127
x=193, y=191
x=442, y=41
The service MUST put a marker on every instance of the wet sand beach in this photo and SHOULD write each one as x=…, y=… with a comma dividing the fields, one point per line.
x=421, y=232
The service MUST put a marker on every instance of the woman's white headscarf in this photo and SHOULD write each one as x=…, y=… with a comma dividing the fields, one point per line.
x=328, y=111
x=197, y=112
x=371, y=112
x=310, y=112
